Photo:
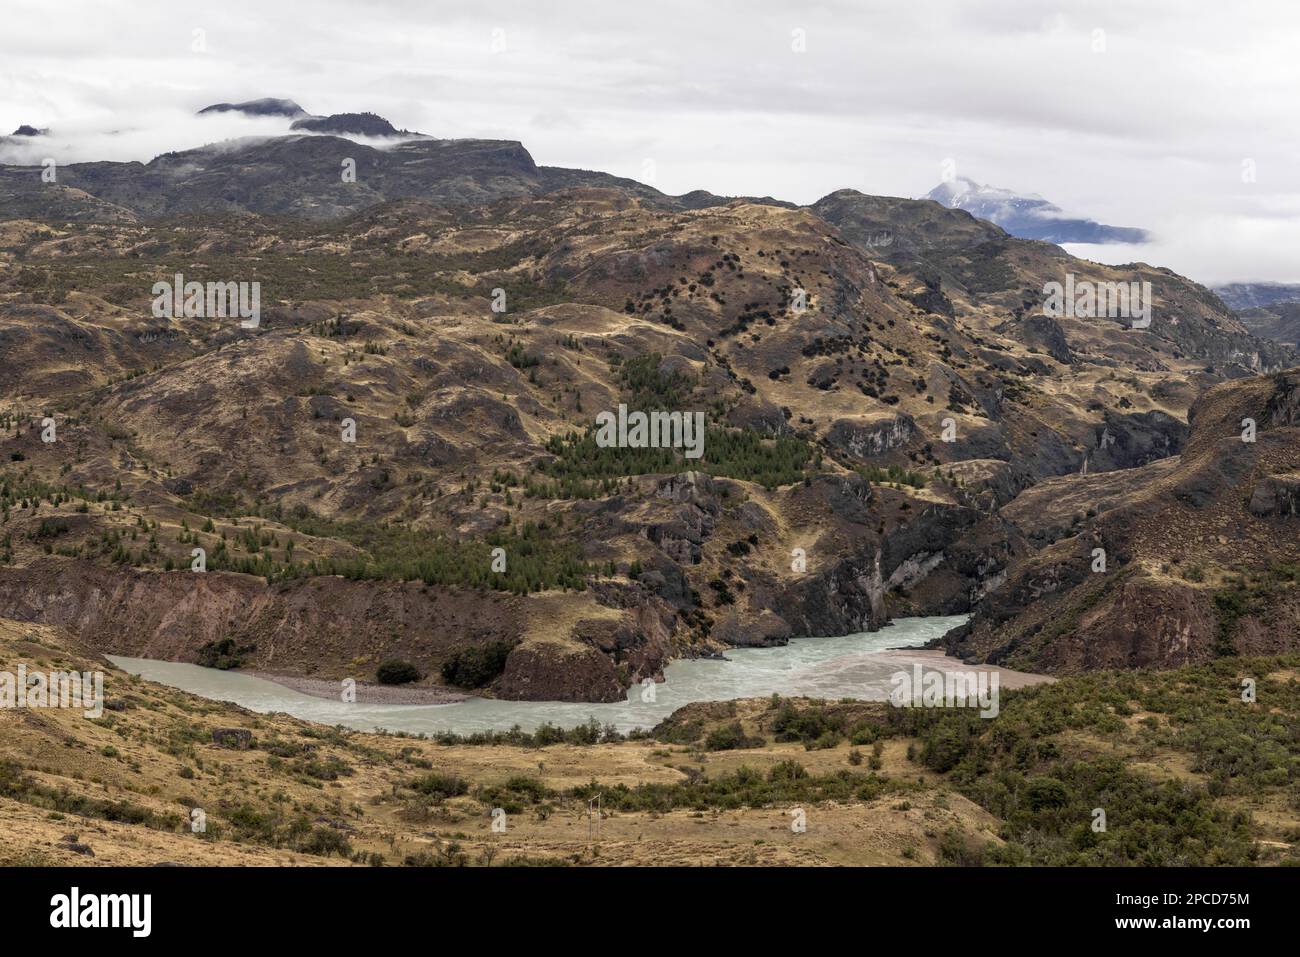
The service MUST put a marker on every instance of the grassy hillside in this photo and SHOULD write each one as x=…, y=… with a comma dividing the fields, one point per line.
x=1186, y=772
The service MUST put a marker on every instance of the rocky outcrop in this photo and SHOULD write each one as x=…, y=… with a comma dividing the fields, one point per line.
x=861, y=439
x=1045, y=333
x=764, y=631
x=1129, y=441
x=1188, y=560
x=947, y=560
x=1276, y=496
x=985, y=484
x=682, y=537
x=552, y=671
x=317, y=626
x=639, y=642
x=847, y=598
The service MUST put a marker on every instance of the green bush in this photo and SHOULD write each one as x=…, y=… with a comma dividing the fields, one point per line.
x=223, y=654
x=730, y=737
x=440, y=786
x=395, y=672
x=479, y=666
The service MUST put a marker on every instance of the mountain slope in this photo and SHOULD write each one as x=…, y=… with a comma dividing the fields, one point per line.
x=877, y=376
x=1201, y=554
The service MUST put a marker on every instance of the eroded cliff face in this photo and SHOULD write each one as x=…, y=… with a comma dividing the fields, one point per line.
x=318, y=626
x=863, y=439
x=1177, y=562
x=545, y=671
x=848, y=597
x=331, y=627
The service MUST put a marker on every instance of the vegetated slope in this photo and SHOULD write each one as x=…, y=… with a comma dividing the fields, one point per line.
x=1186, y=772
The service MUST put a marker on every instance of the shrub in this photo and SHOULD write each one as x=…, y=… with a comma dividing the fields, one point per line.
x=223, y=654
x=1043, y=793
x=476, y=667
x=730, y=737
x=441, y=786
x=395, y=672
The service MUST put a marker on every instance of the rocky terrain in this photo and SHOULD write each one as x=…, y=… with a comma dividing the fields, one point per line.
x=1201, y=559
x=893, y=426
x=1279, y=321
x=1253, y=295
x=302, y=176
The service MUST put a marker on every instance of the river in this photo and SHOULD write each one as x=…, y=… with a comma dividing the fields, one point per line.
x=850, y=666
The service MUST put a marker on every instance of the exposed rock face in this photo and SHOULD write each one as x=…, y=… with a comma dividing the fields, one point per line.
x=947, y=560
x=986, y=484
x=1188, y=561
x=1128, y=441
x=314, y=627
x=545, y=671
x=639, y=642
x=847, y=598
x=1276, y=496
x=1047, y=334
x=766, y=630
x=863, y=439
x=1139, y=625
x=682, y=537
x=980, y=439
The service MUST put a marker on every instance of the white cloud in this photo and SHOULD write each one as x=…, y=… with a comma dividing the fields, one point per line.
x=1151, y=132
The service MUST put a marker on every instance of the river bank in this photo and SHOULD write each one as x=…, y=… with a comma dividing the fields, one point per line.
x=858, y=667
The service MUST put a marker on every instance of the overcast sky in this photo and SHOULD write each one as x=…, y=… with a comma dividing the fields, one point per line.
x=1134, y=113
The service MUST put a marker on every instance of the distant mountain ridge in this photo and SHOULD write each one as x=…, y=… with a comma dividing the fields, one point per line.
x=298, y=174
x=1028, y=216
x=342, y=124
x=1255, y=295
x=360, y=124
x=267, y=106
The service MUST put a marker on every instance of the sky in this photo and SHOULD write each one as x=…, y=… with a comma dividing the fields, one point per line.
x=1179, y=117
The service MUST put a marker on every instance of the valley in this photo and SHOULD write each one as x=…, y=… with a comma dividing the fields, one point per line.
x=599, y=496
x=390, y=467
